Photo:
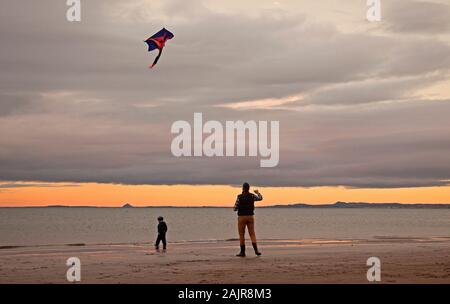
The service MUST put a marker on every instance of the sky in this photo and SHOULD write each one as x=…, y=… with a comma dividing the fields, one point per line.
x=363, y=106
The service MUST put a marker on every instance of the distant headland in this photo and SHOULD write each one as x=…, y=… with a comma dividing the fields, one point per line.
x=367, y=205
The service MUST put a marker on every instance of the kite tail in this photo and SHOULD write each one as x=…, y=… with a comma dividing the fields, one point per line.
x=156, y=59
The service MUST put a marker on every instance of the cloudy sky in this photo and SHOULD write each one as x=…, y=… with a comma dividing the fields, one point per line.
x=361, y=105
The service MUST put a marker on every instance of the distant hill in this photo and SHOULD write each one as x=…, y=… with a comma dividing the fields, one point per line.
x=127, y=206
x=366, y=205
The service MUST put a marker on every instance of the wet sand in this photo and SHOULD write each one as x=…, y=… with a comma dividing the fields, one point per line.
x=403, y=260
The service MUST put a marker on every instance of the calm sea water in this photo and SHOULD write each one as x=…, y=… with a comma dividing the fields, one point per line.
x=41, y=226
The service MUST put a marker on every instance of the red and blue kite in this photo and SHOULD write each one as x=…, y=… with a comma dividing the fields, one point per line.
x=158, y=41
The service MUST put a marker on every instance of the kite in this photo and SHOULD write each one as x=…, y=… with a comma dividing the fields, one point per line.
x=158, y=41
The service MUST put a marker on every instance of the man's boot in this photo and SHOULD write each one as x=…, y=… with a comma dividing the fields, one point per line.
x=256, y=249
x=242, y=253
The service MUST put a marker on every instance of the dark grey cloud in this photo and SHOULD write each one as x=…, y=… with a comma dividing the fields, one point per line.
x=37, y=185
x=78, y=104
x=417, y=16
x=12, y=104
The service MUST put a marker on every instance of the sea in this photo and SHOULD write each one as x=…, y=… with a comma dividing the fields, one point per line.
x=59, y=225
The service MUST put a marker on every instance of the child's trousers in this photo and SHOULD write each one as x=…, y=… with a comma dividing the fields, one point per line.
x=161, y=237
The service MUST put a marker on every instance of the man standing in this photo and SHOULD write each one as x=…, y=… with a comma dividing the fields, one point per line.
x=245, y=206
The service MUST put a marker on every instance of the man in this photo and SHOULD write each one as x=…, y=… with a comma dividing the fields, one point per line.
x=245, y=206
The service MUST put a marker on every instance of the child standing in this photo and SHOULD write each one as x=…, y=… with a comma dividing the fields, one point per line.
x=162, y=229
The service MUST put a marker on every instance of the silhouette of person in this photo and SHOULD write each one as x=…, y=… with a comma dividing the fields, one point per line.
x=245, y=206
x=162, y=229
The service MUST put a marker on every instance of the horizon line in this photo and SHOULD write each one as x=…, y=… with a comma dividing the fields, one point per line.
x=336, y=204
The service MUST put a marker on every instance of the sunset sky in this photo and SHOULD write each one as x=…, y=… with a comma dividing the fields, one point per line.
x=364, y=107
x=113, y=195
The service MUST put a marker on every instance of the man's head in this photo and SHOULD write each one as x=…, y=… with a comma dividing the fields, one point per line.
x=160, y=219
x=245, y=187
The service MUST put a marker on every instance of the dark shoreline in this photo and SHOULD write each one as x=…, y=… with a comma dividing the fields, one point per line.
x=337, y=205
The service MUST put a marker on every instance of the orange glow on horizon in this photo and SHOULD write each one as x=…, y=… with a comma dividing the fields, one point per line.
x=114, y=195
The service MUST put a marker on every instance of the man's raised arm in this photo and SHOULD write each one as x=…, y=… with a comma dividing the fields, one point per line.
x=258, y=196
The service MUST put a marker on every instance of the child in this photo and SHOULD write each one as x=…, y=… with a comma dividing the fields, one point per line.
x=162, y=229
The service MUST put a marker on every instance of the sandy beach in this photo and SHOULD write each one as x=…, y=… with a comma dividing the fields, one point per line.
x=403, y=260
